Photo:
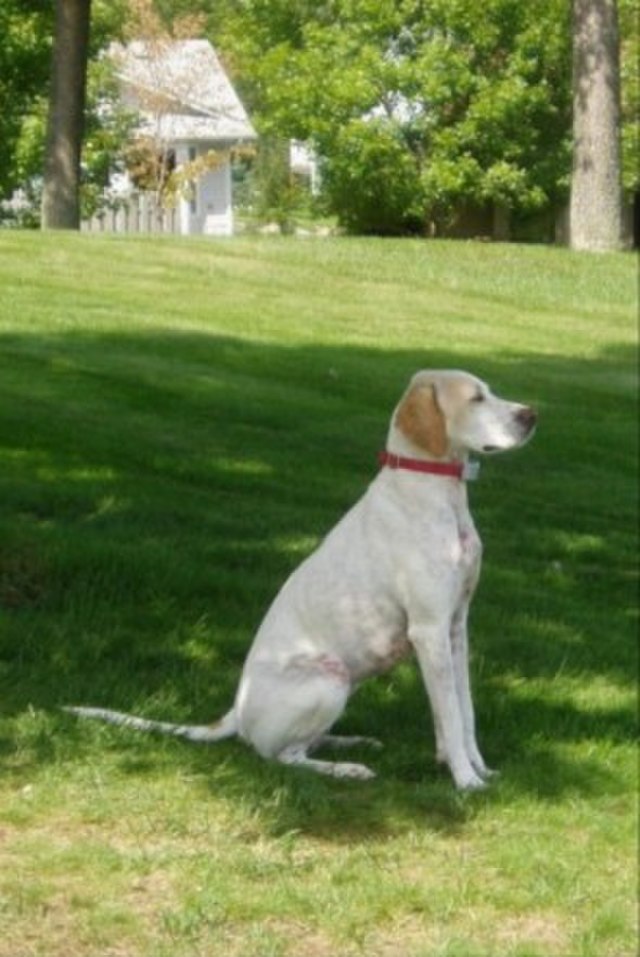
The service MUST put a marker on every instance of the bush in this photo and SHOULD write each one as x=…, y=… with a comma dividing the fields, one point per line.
x=373, y=181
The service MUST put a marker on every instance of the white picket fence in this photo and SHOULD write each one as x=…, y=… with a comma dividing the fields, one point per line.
x=140, y=213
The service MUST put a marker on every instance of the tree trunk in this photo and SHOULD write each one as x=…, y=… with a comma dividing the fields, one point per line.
x=596, y=191
x=61, y=189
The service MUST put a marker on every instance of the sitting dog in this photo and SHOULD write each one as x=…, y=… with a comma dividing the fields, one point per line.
x=396, y=575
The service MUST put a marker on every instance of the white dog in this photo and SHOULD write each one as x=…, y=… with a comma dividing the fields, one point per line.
x=395, y=575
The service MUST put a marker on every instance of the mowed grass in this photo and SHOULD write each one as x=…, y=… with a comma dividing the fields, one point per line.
x=180, y=423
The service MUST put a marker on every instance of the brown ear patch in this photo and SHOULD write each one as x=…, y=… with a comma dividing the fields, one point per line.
x=420, y=419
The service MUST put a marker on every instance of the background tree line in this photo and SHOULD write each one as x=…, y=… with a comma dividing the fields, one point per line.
x=420, y=112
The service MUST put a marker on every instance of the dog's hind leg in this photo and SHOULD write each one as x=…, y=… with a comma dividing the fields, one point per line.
x=285, y=712
x=345, y=741
x=296, y=754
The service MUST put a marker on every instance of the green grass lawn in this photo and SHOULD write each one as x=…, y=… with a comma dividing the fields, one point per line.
x=180, y=422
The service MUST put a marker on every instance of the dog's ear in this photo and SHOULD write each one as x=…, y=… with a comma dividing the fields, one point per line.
x=420, y=419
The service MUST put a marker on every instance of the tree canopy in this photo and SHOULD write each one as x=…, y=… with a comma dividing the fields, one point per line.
x=25, y=52
x=415, y=109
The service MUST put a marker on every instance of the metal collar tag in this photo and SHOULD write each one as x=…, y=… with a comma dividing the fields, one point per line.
x=471, y=470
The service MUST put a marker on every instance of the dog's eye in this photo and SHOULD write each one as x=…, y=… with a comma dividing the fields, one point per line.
x=478, y=397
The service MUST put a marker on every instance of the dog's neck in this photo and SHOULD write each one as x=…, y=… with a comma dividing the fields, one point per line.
x=403, y=456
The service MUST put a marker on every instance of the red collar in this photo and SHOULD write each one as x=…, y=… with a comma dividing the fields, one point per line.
x=460, y=470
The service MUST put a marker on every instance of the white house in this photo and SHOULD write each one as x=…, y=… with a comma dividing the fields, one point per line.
x=188, y=106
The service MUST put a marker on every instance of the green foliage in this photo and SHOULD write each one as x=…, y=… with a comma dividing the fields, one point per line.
x=26, y=28
x=373, y=179
x=108, y=127
x=274, y=193
x=414, y=107
x=629, y=16
x=25, y=49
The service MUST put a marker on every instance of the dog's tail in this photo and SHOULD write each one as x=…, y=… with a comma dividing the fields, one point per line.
x=227, y=727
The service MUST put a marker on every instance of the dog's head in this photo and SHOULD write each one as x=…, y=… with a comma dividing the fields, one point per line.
x=450, y=413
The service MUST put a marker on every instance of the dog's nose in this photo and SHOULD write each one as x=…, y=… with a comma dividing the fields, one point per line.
x=527, y=417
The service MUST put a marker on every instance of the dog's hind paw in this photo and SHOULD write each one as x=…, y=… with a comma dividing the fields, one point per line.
x=357, y=772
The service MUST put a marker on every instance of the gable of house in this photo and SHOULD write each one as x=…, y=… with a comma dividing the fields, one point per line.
x=181, y=91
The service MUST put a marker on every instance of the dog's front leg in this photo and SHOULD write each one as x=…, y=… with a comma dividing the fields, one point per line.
x=432, y=644
x=460, y=653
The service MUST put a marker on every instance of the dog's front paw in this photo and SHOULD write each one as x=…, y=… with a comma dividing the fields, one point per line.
x=469, y=781
x=487, y=774
x=477, y=763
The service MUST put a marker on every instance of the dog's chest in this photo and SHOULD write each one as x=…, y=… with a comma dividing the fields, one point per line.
x=469, y=555
x=468, y=545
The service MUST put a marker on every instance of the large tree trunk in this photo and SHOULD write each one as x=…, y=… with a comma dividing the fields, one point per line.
x=61, y=190
x=596, y=192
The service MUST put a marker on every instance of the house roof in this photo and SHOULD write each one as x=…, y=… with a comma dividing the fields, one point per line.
x=181, y=91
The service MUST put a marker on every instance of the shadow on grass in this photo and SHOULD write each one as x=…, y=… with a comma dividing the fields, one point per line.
x=157, y=489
